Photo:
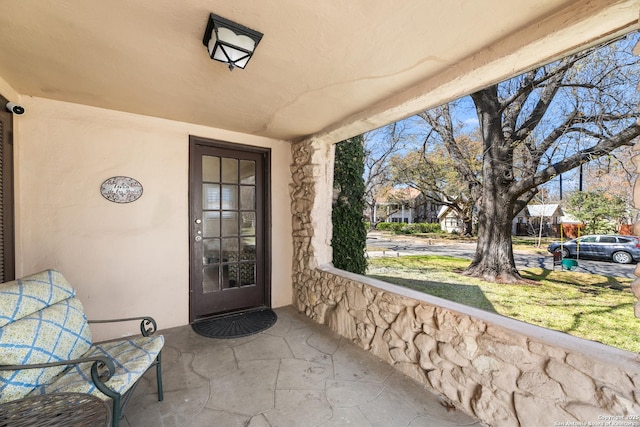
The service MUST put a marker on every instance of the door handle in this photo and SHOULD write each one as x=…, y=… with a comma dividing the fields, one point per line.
x=198, y=238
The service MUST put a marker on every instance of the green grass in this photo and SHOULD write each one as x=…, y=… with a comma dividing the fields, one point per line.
x=531, y=243
x=598, y=308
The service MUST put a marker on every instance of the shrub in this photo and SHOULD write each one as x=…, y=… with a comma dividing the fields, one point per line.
x=413, y=228
x=430, y=227
x=384, y=226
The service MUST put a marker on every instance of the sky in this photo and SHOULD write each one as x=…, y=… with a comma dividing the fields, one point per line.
x=464, y=116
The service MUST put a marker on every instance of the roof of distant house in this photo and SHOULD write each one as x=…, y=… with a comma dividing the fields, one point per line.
x=568, y=219
x=543, y=210
x=397, y=194
x=444, y=209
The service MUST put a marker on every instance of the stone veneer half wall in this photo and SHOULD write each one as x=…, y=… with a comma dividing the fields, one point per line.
x=505, y=372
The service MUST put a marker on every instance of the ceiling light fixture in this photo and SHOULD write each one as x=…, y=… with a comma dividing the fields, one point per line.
x=229, y=42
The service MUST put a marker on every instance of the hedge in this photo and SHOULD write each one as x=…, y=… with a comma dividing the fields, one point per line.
x=413, y=228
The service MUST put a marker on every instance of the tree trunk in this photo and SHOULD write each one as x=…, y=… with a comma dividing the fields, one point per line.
x=372, y=216
x=493, y=260
x=468, y=227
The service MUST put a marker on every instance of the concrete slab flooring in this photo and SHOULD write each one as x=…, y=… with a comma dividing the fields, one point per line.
x=296, y=373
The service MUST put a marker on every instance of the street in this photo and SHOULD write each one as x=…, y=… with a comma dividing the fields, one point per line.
x=406, y=245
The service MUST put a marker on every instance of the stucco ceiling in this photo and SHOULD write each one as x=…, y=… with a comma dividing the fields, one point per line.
x=321, y=65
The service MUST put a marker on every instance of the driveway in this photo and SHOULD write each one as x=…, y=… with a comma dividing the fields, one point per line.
x=392, y=245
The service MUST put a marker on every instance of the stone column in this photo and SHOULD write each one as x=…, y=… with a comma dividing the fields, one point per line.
x=311, y=204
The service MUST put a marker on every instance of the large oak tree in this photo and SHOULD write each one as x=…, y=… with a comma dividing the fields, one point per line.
x=534, y=127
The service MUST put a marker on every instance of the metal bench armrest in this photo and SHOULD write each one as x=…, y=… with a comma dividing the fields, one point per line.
x=98, y=371
x=148, y=325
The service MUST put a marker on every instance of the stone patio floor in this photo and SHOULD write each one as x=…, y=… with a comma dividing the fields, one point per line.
x=296, y=373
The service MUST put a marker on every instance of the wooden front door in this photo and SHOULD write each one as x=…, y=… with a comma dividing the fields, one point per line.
x=228, y=227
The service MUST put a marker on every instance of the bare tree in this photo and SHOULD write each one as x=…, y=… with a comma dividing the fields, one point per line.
x=379, y=146
x=534, y=127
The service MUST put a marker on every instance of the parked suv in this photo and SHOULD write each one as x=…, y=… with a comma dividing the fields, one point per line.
x=620, y=249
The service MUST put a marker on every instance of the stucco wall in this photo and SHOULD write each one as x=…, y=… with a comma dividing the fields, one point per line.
x=124, y=259
x=505, y=372
x=7, y=91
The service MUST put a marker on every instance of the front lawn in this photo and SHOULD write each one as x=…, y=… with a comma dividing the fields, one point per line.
x=590, y=306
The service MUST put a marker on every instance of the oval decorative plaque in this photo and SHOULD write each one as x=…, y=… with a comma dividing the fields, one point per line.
x=121, y=189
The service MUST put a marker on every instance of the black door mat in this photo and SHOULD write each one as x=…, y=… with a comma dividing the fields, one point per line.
x=237, y=324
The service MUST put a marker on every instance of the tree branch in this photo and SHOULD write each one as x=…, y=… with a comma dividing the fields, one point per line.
x=445, y=130
x=513, y=105
x=524, y=200
x=602, y=148
x=548, y=93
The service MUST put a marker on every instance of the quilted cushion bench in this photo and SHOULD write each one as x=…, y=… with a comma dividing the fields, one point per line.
x=46, y=346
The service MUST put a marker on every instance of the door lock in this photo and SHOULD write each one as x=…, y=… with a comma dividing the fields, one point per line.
x=198, y=238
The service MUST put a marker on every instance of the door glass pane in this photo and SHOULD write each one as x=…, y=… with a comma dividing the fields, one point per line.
x=232, y=276
x=229, y=224
x=229, y=170
x=247, y=172
x=210, y=251
x=247, y=273
x=248, y=250
x=230, y=249
x=230, y=255
x=211, y=224
x=210, y=196
x=247, y=197
x=210, y=279
x=211, y=168
x=248, y=227
x=229, y=197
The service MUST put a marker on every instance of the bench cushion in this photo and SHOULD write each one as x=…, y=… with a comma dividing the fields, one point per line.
x=30, y=294
x=58, y=332
x=132, y=357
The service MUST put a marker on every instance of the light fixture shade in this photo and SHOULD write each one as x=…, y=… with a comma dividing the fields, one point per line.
x=229, y=42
